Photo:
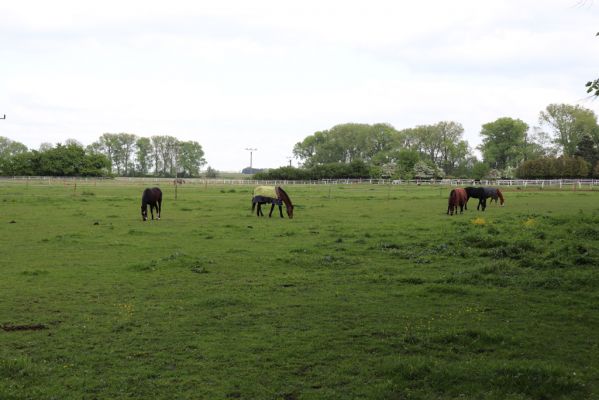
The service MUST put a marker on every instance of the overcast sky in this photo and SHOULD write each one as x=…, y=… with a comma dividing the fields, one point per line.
x=266, y=74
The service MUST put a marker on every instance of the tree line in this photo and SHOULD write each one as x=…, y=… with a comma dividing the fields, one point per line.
x=121, y=154
x=567, y=138
x=565, y=143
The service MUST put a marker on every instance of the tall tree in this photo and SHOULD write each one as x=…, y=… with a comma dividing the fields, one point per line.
x=453, y=150
x=157, y=145
x=191, y=158
x=503, y=142
x=124, y=151
x=345, y=143
x=108, y=144
x=568, y=123
x=9, y=149
x=143, y=155
x=587, y=150
x=165, y=154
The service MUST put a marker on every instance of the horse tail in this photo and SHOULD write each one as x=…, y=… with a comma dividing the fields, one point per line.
x=501, y=201
x=451, y=201
x=253, y=204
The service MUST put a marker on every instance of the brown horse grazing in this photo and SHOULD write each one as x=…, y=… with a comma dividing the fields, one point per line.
x=457, y=198
x=273, y=195
x=153, y=198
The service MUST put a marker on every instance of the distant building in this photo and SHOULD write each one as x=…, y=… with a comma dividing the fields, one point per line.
x=251, y=171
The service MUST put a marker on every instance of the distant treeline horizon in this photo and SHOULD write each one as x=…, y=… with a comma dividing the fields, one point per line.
x=565, y=144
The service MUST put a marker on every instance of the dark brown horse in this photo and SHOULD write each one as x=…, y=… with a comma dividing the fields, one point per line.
x=457, y=198
x=153, y=198
x=477, y=193
x=494, y=194
x=273, y=195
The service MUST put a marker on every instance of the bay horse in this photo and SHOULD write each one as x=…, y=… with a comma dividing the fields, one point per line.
x=494, y=194
x=153, y=198
x=273, y=195
x=477, y=193
x=457, y=198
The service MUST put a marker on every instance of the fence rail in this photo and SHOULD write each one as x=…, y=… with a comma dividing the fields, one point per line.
x=521, y=183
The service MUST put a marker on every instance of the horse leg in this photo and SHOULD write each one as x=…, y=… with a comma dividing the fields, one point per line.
x=272, y=207
x=152, y=210
x=259, y=210
x=159, y=208
x=281, y=210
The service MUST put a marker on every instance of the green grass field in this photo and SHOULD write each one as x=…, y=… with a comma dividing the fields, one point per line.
x=370, y=292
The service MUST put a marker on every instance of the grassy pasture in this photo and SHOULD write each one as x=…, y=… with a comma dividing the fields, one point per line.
x=371, y=292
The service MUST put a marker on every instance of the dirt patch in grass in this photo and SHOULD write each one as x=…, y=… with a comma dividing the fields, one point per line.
x=31, y=327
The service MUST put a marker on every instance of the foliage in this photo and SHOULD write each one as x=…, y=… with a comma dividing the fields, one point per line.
x=422, y=170
x=440, y=145
x=190, y=158
x=549, y=168
x=143, y=155
x=62, y=160
x=593, y=86
x=133, y=155
x=569, y=124
x=480, y=170
x=354, y=170
x=503, y=142
x=211, y=172
x=587, y=149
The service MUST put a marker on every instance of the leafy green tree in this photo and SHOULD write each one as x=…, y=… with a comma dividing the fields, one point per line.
x=480, y=170
x=452, y=148
x=95, y=165
x=551, y=167
x=108, y=144
x=125, y=146
x=9, y=149
x=62, y=160
x=143, y=155
x=211, y=172
x=345, y=143
x=191, y=158
x=423, y=171
x=23, y=164
x=587, y=149
x=45, y=146
x=503, y=142
x=568, y=124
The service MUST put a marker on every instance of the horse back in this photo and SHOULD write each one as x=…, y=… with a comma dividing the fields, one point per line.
x=152, y=196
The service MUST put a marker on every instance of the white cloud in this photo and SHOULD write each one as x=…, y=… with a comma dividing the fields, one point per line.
x=233, y=74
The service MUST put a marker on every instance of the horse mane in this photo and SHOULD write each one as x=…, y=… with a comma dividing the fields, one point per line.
x=284, y=196
x=501, y=201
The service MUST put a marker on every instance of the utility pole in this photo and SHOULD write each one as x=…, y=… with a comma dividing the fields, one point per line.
x=290, y=158
x=251, y=150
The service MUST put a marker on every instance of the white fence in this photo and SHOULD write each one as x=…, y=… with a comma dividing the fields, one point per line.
x=516, y=183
